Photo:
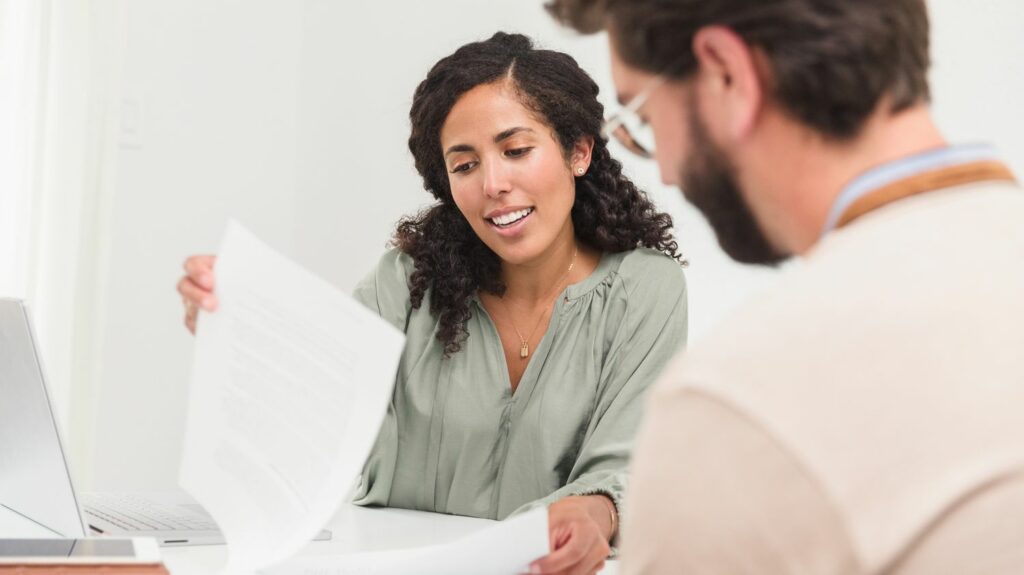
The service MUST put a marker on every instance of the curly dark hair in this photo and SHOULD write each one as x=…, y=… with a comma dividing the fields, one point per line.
x=609, y=213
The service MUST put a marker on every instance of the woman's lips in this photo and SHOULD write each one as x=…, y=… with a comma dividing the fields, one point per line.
x=513, y=228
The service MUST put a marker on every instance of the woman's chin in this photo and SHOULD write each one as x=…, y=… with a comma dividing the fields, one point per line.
x=518, y=254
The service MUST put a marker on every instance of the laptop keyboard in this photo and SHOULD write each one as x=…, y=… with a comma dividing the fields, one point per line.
x=137, y=514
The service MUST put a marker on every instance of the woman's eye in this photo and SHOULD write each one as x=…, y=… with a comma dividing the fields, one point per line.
x=463, y=167
x=517, y=152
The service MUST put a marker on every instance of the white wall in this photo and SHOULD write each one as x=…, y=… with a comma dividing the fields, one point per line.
x=213, y=93
x=292, y=116
x=978, y=73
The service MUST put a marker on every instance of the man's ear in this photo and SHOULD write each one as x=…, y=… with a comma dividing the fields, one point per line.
x=730, y=89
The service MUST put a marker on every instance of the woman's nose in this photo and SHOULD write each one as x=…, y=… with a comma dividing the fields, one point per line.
x=496, y=181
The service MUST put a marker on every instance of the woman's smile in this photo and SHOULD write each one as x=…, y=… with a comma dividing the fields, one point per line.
x=509, y=222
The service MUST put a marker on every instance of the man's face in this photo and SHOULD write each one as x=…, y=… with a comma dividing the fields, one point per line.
x=688, y=158
x=709, y=182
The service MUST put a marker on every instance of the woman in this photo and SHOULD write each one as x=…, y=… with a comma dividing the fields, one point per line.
x=553, y=295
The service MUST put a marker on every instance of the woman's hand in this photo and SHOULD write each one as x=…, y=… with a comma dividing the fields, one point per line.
x=196, y=288
x=579, y=529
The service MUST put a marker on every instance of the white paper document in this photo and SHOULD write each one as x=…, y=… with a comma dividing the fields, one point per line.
x=291, y=382
x=506, y=548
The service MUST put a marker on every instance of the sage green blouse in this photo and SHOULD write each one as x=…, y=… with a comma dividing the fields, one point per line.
x=457, y=440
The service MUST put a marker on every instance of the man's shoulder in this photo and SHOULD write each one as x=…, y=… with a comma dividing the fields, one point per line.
x=862, y=360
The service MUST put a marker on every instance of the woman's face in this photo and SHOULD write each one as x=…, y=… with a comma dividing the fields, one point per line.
x=508, y=174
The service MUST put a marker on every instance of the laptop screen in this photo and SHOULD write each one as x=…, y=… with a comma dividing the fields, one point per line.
x=34, y=477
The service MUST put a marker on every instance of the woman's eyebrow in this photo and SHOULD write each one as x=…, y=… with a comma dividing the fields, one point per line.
x=503, y=135
x=506, y=134
x=458, y=148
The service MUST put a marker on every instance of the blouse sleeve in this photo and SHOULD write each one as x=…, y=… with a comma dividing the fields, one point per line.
x=653, y=329
x=385, y=291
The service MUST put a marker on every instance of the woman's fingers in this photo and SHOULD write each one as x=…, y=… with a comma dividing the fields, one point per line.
x=195, y=295
x=578, y=545
x=200, y=269
x=562, y=559
x=190, y=319
x=196, y=288
x=199, y=281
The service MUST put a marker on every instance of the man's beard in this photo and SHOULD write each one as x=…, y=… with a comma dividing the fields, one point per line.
x=710, y=183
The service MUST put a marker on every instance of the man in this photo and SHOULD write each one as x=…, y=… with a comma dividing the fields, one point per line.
x=866, y=415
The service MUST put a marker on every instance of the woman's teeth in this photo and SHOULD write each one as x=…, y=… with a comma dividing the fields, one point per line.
x=512, y=217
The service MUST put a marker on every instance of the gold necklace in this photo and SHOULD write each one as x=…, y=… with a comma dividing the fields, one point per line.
x=524, y=348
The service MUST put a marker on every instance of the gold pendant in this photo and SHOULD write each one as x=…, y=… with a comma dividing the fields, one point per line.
x=524, y=351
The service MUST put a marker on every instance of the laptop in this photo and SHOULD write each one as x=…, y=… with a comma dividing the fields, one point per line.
x=35, y=480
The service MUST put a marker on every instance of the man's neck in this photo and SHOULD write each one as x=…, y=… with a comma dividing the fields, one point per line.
x=820, y=169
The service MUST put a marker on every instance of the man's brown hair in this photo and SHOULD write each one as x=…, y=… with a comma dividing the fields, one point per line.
x=831, y=61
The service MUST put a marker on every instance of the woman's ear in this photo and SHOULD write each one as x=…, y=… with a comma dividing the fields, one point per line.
x=581, y=155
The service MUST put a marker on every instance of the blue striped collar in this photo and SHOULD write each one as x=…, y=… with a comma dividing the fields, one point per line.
x=904, y=168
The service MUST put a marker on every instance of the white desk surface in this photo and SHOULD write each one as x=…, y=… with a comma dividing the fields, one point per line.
x=353, y=529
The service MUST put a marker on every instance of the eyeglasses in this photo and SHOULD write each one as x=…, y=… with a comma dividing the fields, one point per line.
x=629, y=129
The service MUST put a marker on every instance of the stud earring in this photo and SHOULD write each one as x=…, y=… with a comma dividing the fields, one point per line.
x=580, y=171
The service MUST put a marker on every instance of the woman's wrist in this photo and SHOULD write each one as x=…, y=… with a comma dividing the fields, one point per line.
x=603, y=511
x=613, y=516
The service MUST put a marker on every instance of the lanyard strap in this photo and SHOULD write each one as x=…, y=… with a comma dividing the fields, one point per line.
x=927, y=181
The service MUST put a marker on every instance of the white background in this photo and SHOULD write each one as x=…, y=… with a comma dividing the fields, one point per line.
x=292, y=116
